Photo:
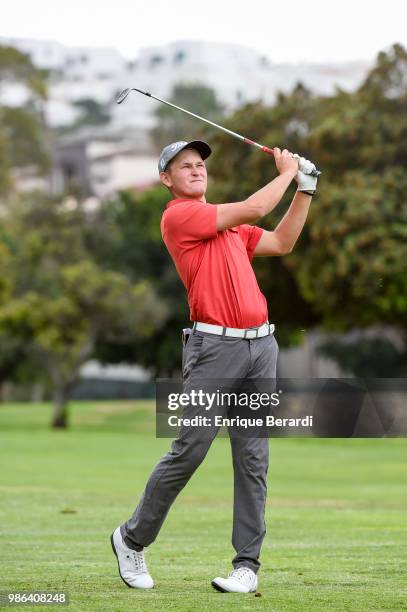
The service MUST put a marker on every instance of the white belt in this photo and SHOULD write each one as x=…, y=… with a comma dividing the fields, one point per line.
x=233, y=332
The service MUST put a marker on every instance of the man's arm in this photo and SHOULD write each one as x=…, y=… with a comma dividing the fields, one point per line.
x=263, y=201
x=282, y=240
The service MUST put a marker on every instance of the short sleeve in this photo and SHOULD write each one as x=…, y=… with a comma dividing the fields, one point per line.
x=250, y=236
x=190, y=221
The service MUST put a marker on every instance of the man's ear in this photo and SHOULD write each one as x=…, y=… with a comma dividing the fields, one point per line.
x=165, y=179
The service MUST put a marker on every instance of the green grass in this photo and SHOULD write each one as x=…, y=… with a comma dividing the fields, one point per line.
x=337, y=524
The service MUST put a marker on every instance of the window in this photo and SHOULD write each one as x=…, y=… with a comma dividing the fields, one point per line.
x=156, y=60
x=179, y=57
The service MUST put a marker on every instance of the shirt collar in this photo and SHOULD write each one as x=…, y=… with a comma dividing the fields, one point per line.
x=178, y=200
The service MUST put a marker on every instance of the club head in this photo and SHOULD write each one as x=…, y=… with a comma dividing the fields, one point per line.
x=123, y=95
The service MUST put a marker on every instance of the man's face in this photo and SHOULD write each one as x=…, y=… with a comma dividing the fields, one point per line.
x=186, y=175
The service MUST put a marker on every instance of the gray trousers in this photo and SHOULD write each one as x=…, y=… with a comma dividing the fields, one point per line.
x=207, y=356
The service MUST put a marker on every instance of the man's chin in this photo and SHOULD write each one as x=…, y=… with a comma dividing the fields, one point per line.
x=195, y=193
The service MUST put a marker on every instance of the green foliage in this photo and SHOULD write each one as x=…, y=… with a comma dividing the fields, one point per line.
x=25, y=137
x=367, y=357
x=5, y=177
x=132, y=222
x=238, y=169
x=135, y=248
x=349, y=268
x=173, y=125
x=93, y=113
x=56, y=299
x=22, y=134
x=355, y=269
x=388, y=78
x=16, y=66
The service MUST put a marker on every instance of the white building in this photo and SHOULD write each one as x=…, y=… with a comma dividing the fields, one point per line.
x=237, y=74
x=74, y=73
x=102, y=161
x=119, y=154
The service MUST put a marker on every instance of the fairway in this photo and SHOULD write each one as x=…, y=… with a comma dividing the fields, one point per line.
x=336, y=516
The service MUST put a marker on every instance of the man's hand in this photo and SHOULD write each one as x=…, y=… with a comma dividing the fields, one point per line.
x=304, y=165
x=285, y=161
x=306, y=182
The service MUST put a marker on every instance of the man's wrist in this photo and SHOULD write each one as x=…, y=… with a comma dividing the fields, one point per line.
x=290, y=173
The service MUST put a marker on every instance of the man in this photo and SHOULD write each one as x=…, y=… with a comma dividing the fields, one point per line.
x=212, y=247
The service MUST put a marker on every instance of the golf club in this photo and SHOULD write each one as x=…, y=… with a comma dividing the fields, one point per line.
x=123, y=95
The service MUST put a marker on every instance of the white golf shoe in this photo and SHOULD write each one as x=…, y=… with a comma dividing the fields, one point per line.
x=241, y=580
x=132, y=565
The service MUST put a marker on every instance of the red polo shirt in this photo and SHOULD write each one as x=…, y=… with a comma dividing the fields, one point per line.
x=215, y=267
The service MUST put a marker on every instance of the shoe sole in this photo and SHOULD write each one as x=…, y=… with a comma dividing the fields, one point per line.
x=118, y=564
x=218, y=587
x=221, y=590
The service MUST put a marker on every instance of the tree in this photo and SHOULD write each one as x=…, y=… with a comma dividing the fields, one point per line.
x=173, y=125
x=22, y=134
x=355, y=269
x=367, y=357
x=16, y=66
x=58, y=302
x=5, y=177
x=136, y=249
x=387, y=80
x=348, y=269
x=93, y=113
x=25, y=136
x=367, y=129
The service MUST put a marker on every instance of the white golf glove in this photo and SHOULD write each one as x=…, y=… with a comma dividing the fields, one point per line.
x=306, y=182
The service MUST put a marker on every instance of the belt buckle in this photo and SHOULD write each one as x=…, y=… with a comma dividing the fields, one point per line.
x=251, y=330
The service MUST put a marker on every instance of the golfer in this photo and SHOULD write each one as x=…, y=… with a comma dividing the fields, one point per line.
x=212, y=246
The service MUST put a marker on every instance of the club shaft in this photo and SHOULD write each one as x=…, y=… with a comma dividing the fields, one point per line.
x=263, y=148
x=216, y=125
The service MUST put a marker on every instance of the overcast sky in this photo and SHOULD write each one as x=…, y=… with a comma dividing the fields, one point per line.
x=286, y=31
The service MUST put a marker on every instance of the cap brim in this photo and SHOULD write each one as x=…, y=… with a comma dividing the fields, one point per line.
x=202, y=147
